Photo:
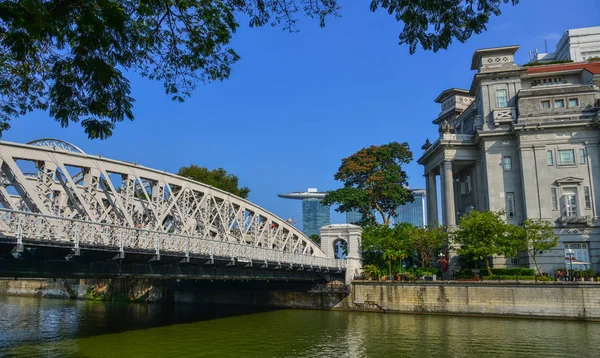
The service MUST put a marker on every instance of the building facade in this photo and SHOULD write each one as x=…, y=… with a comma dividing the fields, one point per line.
x=576, y=45
x=353, y=217
x=524, y=140
x=314, y=215
x=413, y=213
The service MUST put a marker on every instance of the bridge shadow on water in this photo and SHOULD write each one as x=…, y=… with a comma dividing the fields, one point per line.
x=27, y=320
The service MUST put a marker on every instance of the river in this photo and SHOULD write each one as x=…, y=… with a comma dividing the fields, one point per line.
x=31, y=327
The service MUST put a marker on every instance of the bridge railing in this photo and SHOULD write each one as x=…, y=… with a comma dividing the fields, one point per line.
x=32, y=227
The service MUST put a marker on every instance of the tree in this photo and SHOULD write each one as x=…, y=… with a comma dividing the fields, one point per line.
x=427, y=242
x=435, y=23
x=315, y=238
x=537, y=236
x=392, y=255
x=483, y=234
x=373, y=180
x=377, y=240
x=69, y=56
x=219, y=178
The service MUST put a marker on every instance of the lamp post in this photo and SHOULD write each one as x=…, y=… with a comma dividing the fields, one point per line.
x=570, y=257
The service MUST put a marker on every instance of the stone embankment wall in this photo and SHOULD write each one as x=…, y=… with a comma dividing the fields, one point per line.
x=553, y=300
x=281, y=299
x=134, y=290
x=147, y=291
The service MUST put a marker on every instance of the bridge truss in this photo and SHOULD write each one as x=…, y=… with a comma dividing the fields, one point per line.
x=52, y=193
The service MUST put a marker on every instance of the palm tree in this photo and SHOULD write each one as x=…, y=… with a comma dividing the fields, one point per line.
x=392, y=255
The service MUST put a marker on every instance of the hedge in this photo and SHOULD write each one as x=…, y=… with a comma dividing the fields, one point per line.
x=511, y=271
x=509, y=277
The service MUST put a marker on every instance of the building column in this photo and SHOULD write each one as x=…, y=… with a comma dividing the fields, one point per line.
x=449, y=195
x=432, y=210
x=443, y=196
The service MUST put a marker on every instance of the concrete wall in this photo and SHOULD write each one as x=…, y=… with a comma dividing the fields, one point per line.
x=575, y=301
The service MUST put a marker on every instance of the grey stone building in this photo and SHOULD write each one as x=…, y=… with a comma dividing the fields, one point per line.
x=524, y=140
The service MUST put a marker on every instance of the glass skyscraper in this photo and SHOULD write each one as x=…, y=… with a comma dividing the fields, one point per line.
x=412, y=213
x=352, y=217
x=314, y=215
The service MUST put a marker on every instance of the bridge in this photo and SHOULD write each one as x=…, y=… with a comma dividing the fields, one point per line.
x=65, y=213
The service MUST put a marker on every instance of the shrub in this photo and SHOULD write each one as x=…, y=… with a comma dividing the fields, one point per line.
x=513, y=271
x=547, y=63
x=465, y=274
x=514, y=278
x=426, y=271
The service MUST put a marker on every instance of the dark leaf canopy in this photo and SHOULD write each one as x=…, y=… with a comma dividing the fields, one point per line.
x=435, y=23
x=70, y=56
x=374, y=180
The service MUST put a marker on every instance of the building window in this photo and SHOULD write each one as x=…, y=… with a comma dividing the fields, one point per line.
x=507, y=163
x=580, y=253
x=586, y=195
x=559, y=103
x=582, y=156
x=550, y=158
x=545, y=105
x=566, y=157
x=501, y=98
x=554, y=199
x=510, y=205
x=573, y=102
x=569, y=202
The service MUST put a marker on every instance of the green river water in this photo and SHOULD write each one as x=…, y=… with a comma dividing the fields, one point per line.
x=31, y=327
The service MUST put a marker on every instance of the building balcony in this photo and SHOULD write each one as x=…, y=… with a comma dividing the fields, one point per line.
x=575, y=220
x=506, y=115
x=457, y=137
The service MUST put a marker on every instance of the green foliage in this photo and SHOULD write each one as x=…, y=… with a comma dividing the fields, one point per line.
x=219, y=178
x=372, y=272
x=483, y=234
x=427, y=242
x=535, y=237
x=513, y=271
x=514, y=278
x=373, y=179
x=315, y=238
x=547, y=63
x=70, y=56
x=427, y=271
x=379, y=239
x=435, y=23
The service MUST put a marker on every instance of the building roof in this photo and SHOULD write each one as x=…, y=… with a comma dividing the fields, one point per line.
x=299, y=195
x=487, y=51
x=447, y=93
x=592, y=67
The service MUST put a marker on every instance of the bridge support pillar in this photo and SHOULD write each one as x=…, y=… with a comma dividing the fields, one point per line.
x=349, y=234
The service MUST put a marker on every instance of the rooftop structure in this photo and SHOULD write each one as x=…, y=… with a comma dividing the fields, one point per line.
x=314, y=215
x=576, y=45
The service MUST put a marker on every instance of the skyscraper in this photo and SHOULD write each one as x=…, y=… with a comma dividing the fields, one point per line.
x=412, y=213
x=352, y=217
x=314, y=215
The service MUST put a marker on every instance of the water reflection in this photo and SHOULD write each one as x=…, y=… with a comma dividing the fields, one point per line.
x=30, y=327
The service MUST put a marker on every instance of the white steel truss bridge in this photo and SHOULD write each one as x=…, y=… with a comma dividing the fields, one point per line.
x=53, y=194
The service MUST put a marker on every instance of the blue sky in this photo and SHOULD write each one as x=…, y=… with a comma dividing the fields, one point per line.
x=296, y=104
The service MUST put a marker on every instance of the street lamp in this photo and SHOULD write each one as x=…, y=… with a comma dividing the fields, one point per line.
x=570, y=258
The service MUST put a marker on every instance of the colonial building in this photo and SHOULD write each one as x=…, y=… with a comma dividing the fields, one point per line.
x=524, y=140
